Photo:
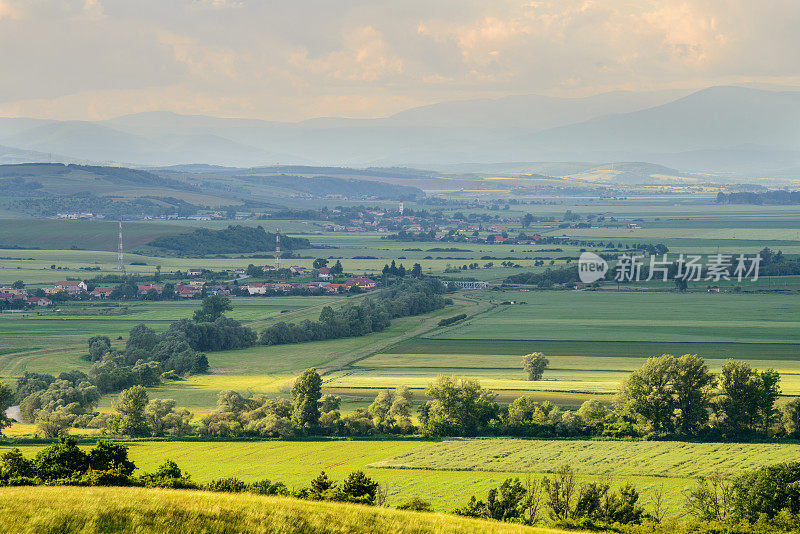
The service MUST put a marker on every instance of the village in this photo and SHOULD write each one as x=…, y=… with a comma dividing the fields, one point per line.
x=17, y=296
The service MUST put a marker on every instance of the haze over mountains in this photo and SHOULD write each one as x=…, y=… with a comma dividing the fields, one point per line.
x=722, y=129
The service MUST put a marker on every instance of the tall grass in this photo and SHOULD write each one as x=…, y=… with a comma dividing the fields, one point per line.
x=51, y=510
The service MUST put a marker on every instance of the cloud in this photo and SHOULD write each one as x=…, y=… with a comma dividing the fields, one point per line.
x=363, y=57
x=291, y=59
x=205, y=61
x=93, y=9
x=9, y=10
x=218, y=4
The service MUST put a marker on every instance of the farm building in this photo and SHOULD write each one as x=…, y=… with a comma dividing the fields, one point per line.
x=361, y=283
x=70, y=286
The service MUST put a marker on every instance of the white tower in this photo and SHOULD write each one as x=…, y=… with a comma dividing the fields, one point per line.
x=400, y=208
x=278, y=248
x=120, y=258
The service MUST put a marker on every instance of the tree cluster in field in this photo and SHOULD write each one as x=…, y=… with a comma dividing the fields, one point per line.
x=372, y=314
x=230, y=240
x=763, y=500
x=309, y=413
x=447, y=321
x=777, y=264
x=667, y=397
x=561, y=498
x=767, y=197
x=680, y=396
x=56, y=403
x=772, y=264
x=394, y=270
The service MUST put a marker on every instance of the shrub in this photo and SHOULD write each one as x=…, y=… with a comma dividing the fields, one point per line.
x=416, y=504
x=228, y=485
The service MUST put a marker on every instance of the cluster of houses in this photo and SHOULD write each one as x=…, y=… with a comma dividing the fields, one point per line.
x=365, y=284
x=11, y=294
x=189, y=290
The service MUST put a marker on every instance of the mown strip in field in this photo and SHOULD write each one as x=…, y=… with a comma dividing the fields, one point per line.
x=623, y=349
x=619, y=458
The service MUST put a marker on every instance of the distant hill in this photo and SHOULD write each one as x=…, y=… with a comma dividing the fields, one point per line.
x=46, y=189
x=330, y=186
x=714, y=129
x=531, y=112
x=60, y=178
x=714, y=118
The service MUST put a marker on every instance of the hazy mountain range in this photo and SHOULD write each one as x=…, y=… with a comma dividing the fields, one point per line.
x=719, y=129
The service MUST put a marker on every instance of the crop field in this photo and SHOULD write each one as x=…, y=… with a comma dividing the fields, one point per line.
x=88, y=235
x=607, y=316
x=610, y=458
x=448, y=472
x=592, y=339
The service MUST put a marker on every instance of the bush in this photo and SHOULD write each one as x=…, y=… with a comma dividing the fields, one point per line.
x=454, y=319
x=416, y=504
x=265, y=487
x=228, y=485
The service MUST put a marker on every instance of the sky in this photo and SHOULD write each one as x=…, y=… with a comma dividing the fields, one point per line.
x=293, y=59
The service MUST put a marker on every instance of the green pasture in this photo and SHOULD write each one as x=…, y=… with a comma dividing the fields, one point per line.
x=604, y=458
x=87, y=235
x=54, y=341
x=627, y=316
x=593, y=340
x=448, y=472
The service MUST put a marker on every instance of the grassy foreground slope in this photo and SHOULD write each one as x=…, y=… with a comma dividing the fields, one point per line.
x=88, y=510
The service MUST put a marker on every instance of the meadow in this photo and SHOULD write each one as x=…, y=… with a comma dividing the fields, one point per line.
x=136, y=510
x=593, y=339
x=53, y=341
x=448, y=472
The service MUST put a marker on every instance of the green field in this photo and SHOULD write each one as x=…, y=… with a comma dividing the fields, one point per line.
x=626, y=316
x=448, y=472
x=54, y=341
x=593, y=340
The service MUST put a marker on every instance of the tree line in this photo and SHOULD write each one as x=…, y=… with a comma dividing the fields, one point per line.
x=766, y=197
x=372, y=314
x=667, y=398
x=230, y=240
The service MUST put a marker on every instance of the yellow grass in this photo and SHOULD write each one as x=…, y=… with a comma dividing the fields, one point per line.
x=128, y=510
